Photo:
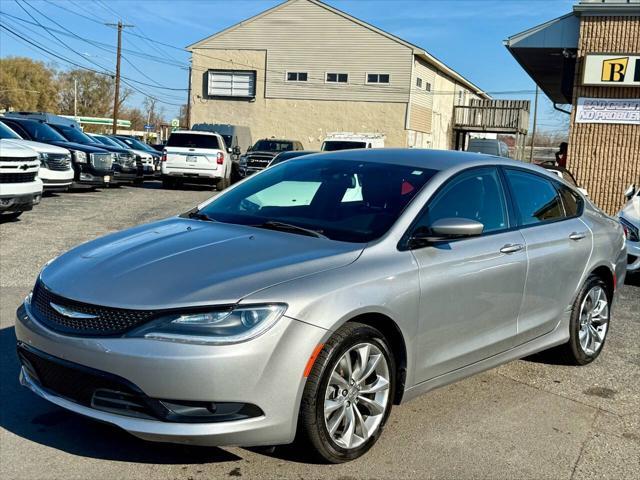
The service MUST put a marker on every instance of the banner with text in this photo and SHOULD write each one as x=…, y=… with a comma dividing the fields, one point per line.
x=608, y=110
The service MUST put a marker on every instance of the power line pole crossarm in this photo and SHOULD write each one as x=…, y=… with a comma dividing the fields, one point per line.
x=116, y=97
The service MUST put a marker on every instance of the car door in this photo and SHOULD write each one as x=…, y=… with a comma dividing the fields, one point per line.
x=470, y=288
x=558, y=248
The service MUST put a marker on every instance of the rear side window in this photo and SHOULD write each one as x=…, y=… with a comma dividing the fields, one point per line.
x=193, y=140
x=536, y=199
x=571, y=201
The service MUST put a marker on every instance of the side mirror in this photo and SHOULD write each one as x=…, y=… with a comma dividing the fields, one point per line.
x=447, y=229
x=630, y=192
x=229, y=150
x=236, y=150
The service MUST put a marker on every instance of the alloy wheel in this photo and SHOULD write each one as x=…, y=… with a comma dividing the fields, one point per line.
x=594, y=320
x=357, y=395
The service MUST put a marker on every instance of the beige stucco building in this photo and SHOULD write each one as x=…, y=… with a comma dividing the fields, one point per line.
x=304, y=69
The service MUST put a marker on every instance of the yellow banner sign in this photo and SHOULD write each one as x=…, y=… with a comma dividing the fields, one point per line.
x=612, y=70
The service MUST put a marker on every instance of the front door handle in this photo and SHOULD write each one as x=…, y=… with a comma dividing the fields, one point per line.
x=511, y=248
x=575, y=236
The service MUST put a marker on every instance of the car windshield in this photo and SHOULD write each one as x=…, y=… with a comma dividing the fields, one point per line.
x=193, y=140
x=74, y=135
x=272, y=146
x=343, y=200
x=41, y=132
x=134, y=143
x=333, y=145
x=6, y=132
x=106, y=141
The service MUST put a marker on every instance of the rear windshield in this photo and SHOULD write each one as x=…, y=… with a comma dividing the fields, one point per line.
x=272, y=146
x=488, y=148
x=333, y=145
x=193, y=140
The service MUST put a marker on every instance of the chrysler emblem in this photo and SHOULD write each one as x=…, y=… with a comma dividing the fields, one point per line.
x=67, y=312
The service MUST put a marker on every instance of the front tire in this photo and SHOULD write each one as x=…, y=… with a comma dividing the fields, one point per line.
x=589, y=323
x=348, y=395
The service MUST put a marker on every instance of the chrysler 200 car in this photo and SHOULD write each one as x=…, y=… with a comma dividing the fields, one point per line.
x=311, y=297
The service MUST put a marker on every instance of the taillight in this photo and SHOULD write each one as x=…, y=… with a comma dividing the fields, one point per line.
x=220, y=158
x=164, y=155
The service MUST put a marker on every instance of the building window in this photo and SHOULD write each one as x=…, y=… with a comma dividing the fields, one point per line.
x=297, y=76
x=419, y=82
x=378, y=78
x=461, y=97
x=232, y=83
x=427, y=86
x=337, y=78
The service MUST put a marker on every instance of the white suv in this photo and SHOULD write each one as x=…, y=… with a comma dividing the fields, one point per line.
x=56, y=170
x=20, y=187
x=196, y=157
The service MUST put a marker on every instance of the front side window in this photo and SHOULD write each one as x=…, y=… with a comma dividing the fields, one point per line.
x=344, y=200
x=74, y=135
x=297, y=76
x=378, y=78
x=536, y=199
x=337, y=78
x=475, y=195
x=232, y=83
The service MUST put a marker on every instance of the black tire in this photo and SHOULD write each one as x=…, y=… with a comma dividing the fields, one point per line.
x=168, y=183
x=138, y=181
x=312, y=428
x=572, y=352
x=223, y=183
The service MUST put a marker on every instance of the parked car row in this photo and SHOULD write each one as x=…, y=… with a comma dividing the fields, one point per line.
x=67, y=157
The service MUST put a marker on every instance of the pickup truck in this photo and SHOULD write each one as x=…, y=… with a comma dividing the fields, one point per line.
x=259, y=156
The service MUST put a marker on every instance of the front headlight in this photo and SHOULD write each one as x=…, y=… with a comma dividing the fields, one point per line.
x=43, y=158
x=215, y=326
x=243, y=161
x=80, y=157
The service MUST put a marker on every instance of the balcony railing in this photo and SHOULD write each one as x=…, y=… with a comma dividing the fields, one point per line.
x=501, y=116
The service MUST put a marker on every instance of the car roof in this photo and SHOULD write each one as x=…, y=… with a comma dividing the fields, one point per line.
x=195, y=132
x=276, y=140
x=420, y=158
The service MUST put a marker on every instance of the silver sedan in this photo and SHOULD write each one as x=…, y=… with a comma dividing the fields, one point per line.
x=310, y=298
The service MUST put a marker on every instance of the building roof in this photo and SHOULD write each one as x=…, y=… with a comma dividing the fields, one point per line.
x=417, y=51
x=547, y=53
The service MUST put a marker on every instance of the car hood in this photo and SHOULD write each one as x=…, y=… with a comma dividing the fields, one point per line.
x=181, y=262
x=40, y=147
x=80, y=146
x=262, y=152
x=631, y=211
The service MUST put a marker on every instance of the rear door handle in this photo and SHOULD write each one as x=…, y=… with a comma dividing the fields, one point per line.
x=511, y=248
x=575, y=236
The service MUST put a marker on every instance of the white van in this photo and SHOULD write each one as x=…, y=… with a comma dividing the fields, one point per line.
x=20, y=187
x=56, y=170
x=196, y=157
x=349, y=141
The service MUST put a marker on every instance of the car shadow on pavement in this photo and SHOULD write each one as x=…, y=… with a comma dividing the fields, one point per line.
x=632, y=279
x=32, y=418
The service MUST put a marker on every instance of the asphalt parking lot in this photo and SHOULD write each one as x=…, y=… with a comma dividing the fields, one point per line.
x=528, y=419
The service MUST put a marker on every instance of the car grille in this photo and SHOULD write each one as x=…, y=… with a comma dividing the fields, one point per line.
x=258, y=161
x=58, y=162
x=126, y=160
x=101, y=161
x=106, y=321
x=18, y=159
x=17, y=177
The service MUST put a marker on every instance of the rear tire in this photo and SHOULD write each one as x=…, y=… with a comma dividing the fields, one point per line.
x=589, y=325
x=224, y=182
x=343, y=413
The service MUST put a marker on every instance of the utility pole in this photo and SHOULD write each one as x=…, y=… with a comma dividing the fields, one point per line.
x=189, y=101
x=75, y=98
x=535, y=124
x=116, y=98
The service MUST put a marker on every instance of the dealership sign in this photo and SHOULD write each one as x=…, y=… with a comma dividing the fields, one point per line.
x=608, y=110
x=615, y=70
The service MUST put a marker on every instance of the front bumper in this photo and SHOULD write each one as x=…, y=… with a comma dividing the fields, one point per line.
x=266, y=371
x=19, y=202
x=56, y=179
x=633, y=256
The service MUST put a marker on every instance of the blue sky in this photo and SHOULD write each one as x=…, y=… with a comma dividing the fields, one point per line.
x=465, y=34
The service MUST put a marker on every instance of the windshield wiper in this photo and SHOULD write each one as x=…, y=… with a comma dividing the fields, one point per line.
x=287, y=227
x=198, y=215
